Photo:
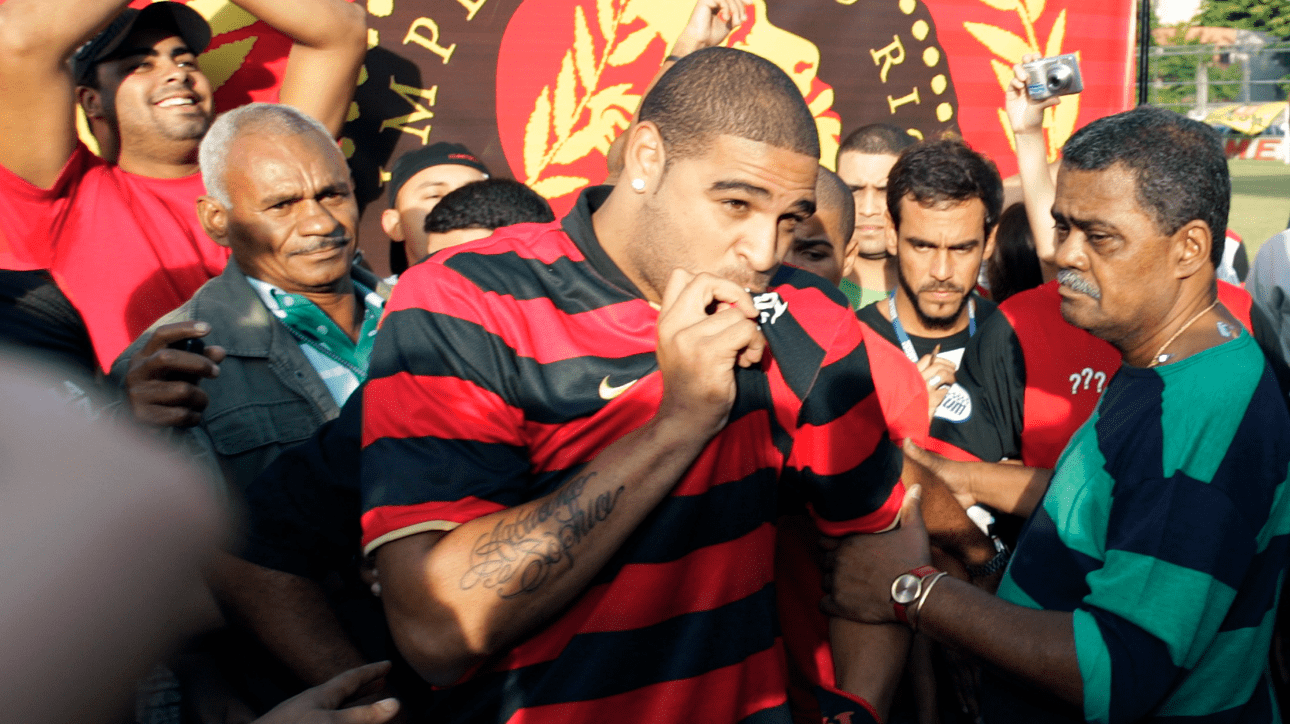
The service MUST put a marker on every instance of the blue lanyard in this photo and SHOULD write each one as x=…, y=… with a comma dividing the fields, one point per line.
x=905, y=343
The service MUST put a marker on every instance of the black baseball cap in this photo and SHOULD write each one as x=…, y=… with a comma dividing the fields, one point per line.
x=436, y=154
x=187, y=23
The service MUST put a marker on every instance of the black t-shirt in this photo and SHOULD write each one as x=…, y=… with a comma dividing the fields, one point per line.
x=993, y=374
x=951, y=346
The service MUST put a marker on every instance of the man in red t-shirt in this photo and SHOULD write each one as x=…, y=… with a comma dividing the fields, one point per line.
x=120, y=233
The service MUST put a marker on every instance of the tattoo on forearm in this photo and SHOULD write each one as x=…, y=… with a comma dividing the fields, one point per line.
x=519, y=553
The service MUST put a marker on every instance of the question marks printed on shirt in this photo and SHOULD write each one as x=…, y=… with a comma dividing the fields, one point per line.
x=1087, y=377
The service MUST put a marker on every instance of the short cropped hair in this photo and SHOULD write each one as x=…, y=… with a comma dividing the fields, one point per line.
x=879, y=139
x=832, y=192
x=723, y=91
x=488, y=204
x=276, y=118
x=1179, y=165
x=947, y=169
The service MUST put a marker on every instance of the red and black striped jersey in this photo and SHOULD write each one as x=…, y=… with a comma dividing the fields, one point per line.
x=505, y=365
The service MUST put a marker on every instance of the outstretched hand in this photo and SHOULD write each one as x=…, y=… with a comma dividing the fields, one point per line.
x=710, y=23
x=161, y=384
x=320, y=705
x=1025, y=115
x=859, y=570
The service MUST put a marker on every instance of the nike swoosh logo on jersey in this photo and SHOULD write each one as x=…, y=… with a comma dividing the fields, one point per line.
x=609, y=393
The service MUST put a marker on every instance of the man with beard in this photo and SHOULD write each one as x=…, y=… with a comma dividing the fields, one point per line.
x=944, y=200
x=864, y=161
x=119, y=233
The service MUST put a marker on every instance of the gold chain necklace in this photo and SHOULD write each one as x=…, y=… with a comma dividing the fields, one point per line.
x=1157, y=357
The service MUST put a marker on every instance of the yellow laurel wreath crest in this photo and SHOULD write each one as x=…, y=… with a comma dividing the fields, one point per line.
x=1059, y=121
x=575, y=116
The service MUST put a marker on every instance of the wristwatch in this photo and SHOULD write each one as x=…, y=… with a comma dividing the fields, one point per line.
x=907, y=588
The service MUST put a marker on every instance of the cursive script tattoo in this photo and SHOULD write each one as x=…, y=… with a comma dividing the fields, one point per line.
x=520, y=552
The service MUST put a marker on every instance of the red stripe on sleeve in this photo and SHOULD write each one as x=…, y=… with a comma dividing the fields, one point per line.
x=879, y=520
x=387, y=519
x=899, y=385
x=842, y=444
x=404, y=405
x=951, y=451
x=832, y=326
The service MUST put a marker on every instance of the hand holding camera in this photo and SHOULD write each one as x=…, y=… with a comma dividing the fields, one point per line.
x=1026, y=97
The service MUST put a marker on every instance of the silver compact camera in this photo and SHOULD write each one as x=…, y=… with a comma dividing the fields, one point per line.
x=1055, y=76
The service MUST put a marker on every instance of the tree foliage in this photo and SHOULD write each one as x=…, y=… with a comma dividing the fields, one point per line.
x=1269, y=16
x=1174, y=76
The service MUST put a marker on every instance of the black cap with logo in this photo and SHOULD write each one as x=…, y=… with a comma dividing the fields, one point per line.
x=436, y=154
x=187, y=23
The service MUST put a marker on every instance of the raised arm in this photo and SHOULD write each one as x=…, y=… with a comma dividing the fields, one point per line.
x=1027, y=120
x=37, y=105
x=454, y=599
x=710, y=22
x=329, y=39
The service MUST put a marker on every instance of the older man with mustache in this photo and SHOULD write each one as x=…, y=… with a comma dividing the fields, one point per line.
x=292, y=313
x=287, y=332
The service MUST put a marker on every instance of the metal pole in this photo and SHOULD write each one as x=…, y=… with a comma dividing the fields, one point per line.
x=1144, y=47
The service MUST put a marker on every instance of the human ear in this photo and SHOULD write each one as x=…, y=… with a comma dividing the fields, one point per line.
x=1192, y=245
x=392, y=224
x=214, y=219
x=91, y=101
x=893, y=239
x=644, y=156
x=850, y=252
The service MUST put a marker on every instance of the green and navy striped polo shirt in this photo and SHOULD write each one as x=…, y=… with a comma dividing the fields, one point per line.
x=1165, y=532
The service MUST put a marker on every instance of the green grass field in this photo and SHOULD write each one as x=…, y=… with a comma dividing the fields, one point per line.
x=1260, y=201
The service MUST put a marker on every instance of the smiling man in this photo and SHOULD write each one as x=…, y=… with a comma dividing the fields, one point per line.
x=118, y=231
x=1146, y=583
x=576, y=434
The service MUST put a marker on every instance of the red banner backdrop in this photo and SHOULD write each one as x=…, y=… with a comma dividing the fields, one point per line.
x=540, y=88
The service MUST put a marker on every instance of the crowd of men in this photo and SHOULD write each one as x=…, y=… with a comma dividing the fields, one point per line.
x=739, y=439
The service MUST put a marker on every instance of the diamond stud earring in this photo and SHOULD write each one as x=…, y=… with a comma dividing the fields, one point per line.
x=638, y=184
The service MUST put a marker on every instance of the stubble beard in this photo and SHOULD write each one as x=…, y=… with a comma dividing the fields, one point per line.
x=183, y=129
x=930, y=322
